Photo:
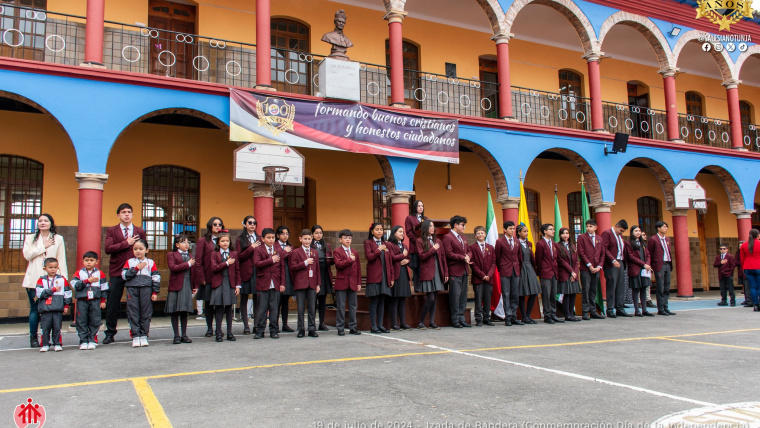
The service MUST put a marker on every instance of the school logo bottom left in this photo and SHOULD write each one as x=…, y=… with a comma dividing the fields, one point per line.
x=29, y=414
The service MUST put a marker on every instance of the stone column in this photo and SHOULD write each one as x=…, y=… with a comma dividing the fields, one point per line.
x=743, y=223
x=734, y=114
x=671, y=105
x=263, y=205
x=502, y=65
x=595, y=90
x=510, y=209
x=90, y=218
x=93, y=38
x=263, y=46
x=396, y=48
x=682, y=258
x=399, y=207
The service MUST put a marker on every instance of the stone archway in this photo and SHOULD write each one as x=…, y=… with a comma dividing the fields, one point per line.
x=664, y=177
x=647, y=28
x=735, y=196
x=724, y=62
x=753, y=50
x=593, y=187
x=500, y=181
x=569, y=10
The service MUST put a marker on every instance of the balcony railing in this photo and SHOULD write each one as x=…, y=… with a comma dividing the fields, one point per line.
x=705, y=131
x=445, y=94
x=38, y=35
x=751, y=136
x=551, y=108
x=636, y=121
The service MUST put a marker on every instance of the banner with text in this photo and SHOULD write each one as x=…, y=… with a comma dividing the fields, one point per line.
x=349, y=127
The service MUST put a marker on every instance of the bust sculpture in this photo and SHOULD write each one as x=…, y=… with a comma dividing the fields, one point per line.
x=340, y=43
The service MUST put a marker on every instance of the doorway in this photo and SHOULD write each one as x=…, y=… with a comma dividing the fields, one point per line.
x=291, y=208
x=489, y=76
x=705, y=273
x=170, y=54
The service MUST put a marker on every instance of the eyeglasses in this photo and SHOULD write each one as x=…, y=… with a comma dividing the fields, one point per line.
x=217, y=224
x=251, y=222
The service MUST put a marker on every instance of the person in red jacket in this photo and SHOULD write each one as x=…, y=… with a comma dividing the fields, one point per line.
x=225, y=284
x=725, y=263
x=411, y=226
x=591, y=255
x=204, y=247
x=747, y=303
x=304, y=266
x=614, y=269
x=379, y=276
x=400, y=258
x=483, y=271
x=662, y=265
x=508, y=260
x=269, y=284
x=179, y=301
x=547, y=252
x=750, y=255
x=639, y=272
x=567, y=274
x=433, y=271
x=348, y=281
x=245, y=245
x=458, y=259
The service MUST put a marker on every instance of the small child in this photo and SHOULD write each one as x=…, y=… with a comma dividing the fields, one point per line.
x=179, y=301
x=53, y=300
x=91, y=288
x=348, y=281
x=269, y=285
x=306, y=281
x=725, y=264
x=143, y=282
x=225, y=284
x=483, y=270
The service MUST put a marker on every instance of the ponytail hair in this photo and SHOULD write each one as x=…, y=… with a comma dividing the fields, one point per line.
x=752, y=238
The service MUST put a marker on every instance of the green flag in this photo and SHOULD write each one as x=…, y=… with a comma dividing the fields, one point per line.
x=557, y=219
x=587, y=216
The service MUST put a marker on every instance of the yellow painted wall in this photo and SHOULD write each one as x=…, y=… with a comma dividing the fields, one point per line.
x=38, y=137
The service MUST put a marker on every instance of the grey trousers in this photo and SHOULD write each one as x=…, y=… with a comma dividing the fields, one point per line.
x=307, y=298
x=341, y=298
x=615, y=288
x=51, y=322
x=268, y=302
x=510, y=295
x=549, y=296
x=588, y=291
x=662, y=279
x=139, y=310
x=482, y=301
x=457, y=298
x=88, y=320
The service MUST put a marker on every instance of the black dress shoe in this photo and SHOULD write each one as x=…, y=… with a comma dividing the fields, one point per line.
x=375, y=330
x=647, y=314
x=300, y=333
x=258, y=336
x=627, y=306
x=611, y=315
x=722, y=303
x=456, y=325
x=669, y=312
x=478, y=323
x=548, y=320
x=209, y=333
x=406, y=327
x=33, y=342
x=662, y=313
x=220, y=338
x=650, y=304
x=421, y=326
x=287, y=329
x=313, y=333
x=383, y=329
x=247, y=331
x=622, y=314
x=434, y=326
x=107, y=340
x=555, y=319
x=274, y=335
x=733, y=303
x=639, y=314
x=185, y=339
x=529, y=321
x=231, y=338
x=354, y=331
x=586, y=317
x=508, y=322
x=488, y=322
x=176, y=340
x=341, y=333
x=572, y=319
x=466, y=324
x=515, y=321
x=396, y=328
x=323, y=327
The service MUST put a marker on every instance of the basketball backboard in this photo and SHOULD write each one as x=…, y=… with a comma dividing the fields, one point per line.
x=252, y=158
x=687, y=190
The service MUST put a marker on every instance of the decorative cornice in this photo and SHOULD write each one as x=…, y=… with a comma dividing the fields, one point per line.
x=603, y=207
x=395, y=16
x=90, y=181
x=261, y=190
x=502, y=37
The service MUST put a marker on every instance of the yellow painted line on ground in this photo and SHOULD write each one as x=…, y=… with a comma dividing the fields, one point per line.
x=153, y=410
x=713, y=332
x=711, y=344
x=64, y=385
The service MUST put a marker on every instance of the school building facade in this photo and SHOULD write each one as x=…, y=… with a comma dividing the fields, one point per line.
x=106, y=101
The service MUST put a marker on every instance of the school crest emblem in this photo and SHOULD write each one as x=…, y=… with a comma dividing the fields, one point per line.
x=276, y=115
x=724, y=13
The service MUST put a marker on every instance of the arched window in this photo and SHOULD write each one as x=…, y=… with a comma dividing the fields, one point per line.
x=20, y=206
x=534, y=213
x=571, y=88
x=290, y=73
x=745, y=112
x=570, y=83
x=381, y=208
x=649, y=214
x=28, y=39
x=170, y=205
x=411, y=73
x=638, y=94
x=575, y=214
x=694, y=104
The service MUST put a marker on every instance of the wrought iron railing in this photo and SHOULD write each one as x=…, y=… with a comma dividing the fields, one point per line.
x=551, y=108
x=751, y=136
x=705, y=131
x=39, y=35
x=444, y=94
x=635, y=121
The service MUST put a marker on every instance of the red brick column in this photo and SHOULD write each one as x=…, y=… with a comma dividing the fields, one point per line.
x=90, y=217
x=502, y=65
x=682, y=259
x=263, y=47
x=399, y=207
x=396, y=47
x=743, y=223
x=671, y=106
x=93, y=38
x=595, y=90
x=263, y=205
x=734, y=114
x=510, y=210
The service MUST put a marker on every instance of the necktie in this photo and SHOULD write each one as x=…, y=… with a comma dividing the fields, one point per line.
x=722, y=256
x=551, y=249
x=225, y=256
x=482, y=248
x=126, y=233
x=184, y=255
x=511, y=244
x=593, y=241
x=620, y=246
x=665, y=248
x=348, y=252
x=252, y=238
x=270, y=250
x=308, y=253
x=459, y=237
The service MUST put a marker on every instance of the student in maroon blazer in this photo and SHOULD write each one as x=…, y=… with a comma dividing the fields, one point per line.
x=283, y=247
x=662, y=265
x=568, y=274
x=348, y=281
x=725, y=263
x=637, y=259
x=118, y=244
x=179, y=301
x=400, y=291
x=204, y=247
x=547, y=253
x=225, y=284
x=379, y=276
x=614, y=269
x=508, y=260
x=433, y=270
x=304, y=268
x=410, y=228
x=244, y=245
x=458, y=258
x=269, y=284
x=483, y=270
x=326, y=260
x=591, y=254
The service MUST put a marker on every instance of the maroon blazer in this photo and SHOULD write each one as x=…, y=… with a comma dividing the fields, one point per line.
x=300, y=272
x=218, y=266
x=409, y=224
x=546, y=261
x=348, y=273
x=725, y=270
x=119, y=249
x=427, y=262
x=483, y=263
x=177, y=269
x=203, y=271
x=374, y=265
x=611, y=248
x=455, y=253
x=266, y=269
x=588, y=253
x=508, y=260
x=245, y=258
x=655, y=250
x=566, y=265
x=397, y=255
x=633, y=259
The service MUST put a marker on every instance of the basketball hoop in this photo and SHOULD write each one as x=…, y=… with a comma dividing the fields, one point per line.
x=700, y=205
x=275, y=175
